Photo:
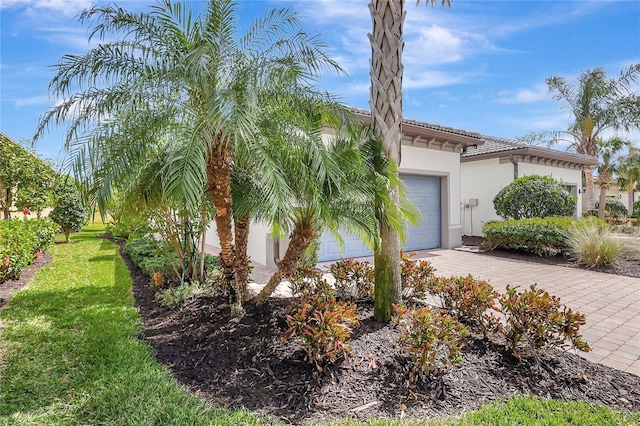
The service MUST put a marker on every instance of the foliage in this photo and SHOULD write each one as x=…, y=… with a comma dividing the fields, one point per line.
x=324, y=325
x=469, y=299
x=354, y=279
x=20, y=241
x=415, y=275
x=544, y=237
x=614, y=208
x=636, y=209
x=69, y=212
x=534, y=196
x=591, y=244
x=25, y=180
x=590, y=213
x=180, y=295
x=535, y=319
x=432, y=340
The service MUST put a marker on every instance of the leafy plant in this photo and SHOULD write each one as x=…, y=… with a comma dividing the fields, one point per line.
x=69, y=211
x=534, y=196
x=432, y=340
x=415, y=275
x=354, y=279
x=544, y=237
x=178, y=296
x=324, y=325
x=614, y=208
x=636, y=210
x=308, y=280
x=591, y=244
x=535, y=319
x=20, y=242
x=470, y=299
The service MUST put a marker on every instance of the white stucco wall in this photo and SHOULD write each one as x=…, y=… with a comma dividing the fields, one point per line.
x=446, y=165
x=483, y=180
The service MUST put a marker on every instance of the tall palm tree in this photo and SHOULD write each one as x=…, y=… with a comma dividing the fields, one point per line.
x=191, y=74
x=386, y=112
x=607, y=168
x=629, y=174
x=597, y=104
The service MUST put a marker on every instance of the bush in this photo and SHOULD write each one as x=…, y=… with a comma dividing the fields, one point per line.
x=534, y=196
x=591, y=213
x=544, y=237
x=534, y=319
x=20, y=242
x=415, y=275
x=613, y=208
x=468, y=298
x=180, y=295
x=431, y=339
x=591, y=244
x=636, y=210
x=324, y=325
x=354, y=279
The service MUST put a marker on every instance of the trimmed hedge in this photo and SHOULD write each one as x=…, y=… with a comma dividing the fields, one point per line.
x=544, y=237
x=20, y=242
x=534, y=196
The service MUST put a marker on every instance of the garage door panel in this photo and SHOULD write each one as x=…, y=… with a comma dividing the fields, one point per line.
x=424, y=193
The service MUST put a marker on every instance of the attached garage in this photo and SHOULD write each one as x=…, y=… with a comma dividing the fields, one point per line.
x=424, y=193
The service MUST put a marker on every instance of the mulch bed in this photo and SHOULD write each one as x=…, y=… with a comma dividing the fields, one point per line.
x=7, y=288
x=241, y=362
x=627, y=268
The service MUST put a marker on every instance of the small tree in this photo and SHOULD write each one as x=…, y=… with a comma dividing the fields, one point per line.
x=534, y=196
x=69, y=212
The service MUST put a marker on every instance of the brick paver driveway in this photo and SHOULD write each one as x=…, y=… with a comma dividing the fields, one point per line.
x=611, y=303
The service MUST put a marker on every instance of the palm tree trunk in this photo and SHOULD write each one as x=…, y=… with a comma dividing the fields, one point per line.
x=603, y=201
x=386, y=110
x=301, y=238
x=591, y=187
x=219, y=183
x=242, y=260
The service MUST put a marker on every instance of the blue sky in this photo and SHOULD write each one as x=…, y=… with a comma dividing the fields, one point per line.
x=479, y=65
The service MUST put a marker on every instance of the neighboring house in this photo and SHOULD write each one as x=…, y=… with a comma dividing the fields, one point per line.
x=489, y=167
x=614, y=192
x=429, y=166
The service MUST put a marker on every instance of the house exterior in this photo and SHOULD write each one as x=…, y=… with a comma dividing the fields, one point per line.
x=623, y=195
x=430, y=168
x=489, y=167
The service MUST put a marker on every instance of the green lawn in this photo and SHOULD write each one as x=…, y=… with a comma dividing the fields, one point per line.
x=70, y=355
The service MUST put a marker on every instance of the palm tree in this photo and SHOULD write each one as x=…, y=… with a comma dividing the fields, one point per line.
x=629, y=173
x=386, y=113
x=191, y=75
x=597, y=104
x=607, y=168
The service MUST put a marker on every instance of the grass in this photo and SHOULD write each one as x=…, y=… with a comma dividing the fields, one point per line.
x=70, y=355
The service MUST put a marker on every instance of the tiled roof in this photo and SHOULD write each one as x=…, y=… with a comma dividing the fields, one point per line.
x=428, y=125
x=494, y=144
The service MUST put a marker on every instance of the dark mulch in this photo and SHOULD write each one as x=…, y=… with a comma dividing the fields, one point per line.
x=625, y=267
x=9, y=287
x=240, y=362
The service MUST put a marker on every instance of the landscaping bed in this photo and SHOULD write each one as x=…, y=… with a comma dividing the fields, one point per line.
x=9, y=287
x=241, y=362
x=622, y=266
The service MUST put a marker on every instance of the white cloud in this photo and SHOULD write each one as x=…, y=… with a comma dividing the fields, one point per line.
x=66, y=7
x=33, y=100
x=523, y=96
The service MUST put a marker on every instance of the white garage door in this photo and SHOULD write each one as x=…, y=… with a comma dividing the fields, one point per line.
x=424, y=192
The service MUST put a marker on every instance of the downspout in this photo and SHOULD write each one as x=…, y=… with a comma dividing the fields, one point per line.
x=515, y=167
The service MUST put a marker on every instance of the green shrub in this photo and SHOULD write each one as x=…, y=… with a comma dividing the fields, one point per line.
x=636, y=210
x=468, y=298
x=432, y=340
x=354, y=279
x=142, y=248
x=591, y=213
x=20, y=242
x=534, y=196
x=307, y=279
x=178, y=296
x=415, y=275
x=613, y=208
x=591, y=244
x=324, y=325
x=69, y=211
x=534, y=319
x=544, y=237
